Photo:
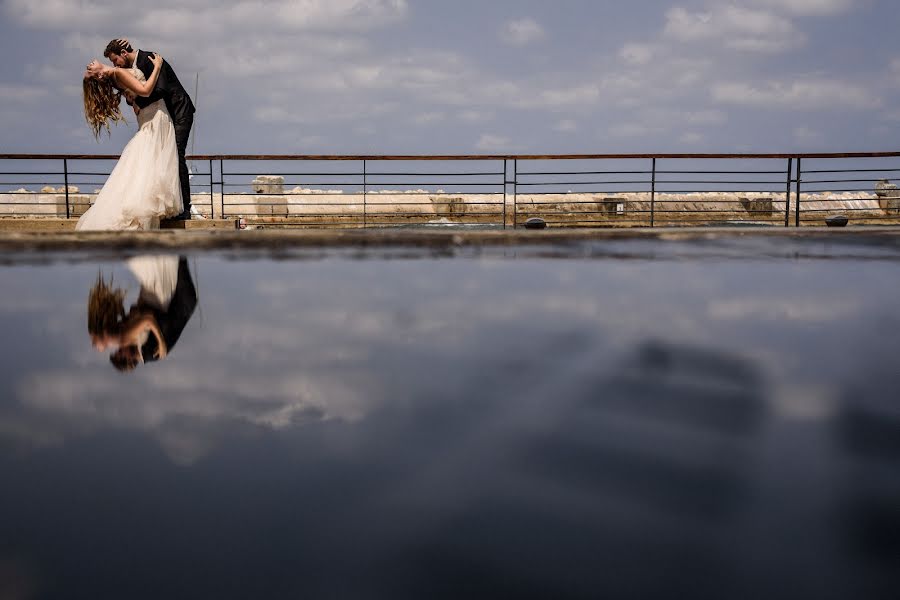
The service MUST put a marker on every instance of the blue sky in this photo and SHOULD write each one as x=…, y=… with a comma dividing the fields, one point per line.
x=434, y=76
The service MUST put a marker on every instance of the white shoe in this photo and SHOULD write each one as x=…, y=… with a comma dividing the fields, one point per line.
x=195, y=214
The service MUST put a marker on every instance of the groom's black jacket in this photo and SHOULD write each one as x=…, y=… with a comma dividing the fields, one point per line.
x=173, y=320
x=168, y=89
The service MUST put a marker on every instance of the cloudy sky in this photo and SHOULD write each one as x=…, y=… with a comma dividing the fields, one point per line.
x=461, y=76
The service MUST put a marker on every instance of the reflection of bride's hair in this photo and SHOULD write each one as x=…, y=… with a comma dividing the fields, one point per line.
x=106, y=307
x=101, y=104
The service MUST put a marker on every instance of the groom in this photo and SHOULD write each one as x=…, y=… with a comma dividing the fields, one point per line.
x=178, y=103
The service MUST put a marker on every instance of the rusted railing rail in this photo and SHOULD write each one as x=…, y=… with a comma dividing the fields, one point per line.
x=501, y=190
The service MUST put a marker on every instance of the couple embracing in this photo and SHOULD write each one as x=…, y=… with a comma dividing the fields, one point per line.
x=150, y=181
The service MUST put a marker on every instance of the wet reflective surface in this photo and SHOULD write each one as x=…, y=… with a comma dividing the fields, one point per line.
x=645, y=418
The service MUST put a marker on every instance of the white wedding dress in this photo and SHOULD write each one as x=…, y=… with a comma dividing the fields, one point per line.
x=143, y=186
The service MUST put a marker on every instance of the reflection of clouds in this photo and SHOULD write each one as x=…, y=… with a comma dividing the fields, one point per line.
x=809, y=402
x=809, y=309
x=298, y=342
x=62, y=403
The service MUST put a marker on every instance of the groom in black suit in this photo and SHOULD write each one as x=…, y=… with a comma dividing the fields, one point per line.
x=178, y=103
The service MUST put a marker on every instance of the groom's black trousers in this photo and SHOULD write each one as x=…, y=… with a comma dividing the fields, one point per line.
x=182, y=132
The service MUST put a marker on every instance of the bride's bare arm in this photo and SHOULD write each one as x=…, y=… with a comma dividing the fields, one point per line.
x=137, y=324
x=129, y=99
x=129, y=82
x=161, y=349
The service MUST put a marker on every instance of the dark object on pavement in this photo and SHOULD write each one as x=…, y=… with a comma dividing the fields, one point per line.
x=837, y=221
x=535, y=223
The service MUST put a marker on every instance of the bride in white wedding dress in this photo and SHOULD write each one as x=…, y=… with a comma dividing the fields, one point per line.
x=144, y=185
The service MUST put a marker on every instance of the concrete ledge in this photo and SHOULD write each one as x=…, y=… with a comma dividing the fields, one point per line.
x=276, y=240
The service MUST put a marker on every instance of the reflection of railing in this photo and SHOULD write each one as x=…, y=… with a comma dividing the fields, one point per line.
x=604, y=190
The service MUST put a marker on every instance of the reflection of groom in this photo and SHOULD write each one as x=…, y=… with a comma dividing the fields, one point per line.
x=171, y=319
x=178, y=103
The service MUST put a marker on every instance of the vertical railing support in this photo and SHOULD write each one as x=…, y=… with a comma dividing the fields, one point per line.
x=212, y=201
x=787, y=196
x=66, y=184
x=653, y=194
x=799, y=177
x=515, y=192
x=504, y=193
x=222, y=185
x=365, y=193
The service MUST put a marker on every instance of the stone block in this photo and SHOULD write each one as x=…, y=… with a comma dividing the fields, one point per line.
x=758, y=207
x=445, y=206
x=268, y=184
x=78, y=204
x=272, y=206
x=612, y=207
x=888, y=196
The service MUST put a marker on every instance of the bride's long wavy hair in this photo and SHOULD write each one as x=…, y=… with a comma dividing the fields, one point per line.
x=101, y=105
x=106, y=307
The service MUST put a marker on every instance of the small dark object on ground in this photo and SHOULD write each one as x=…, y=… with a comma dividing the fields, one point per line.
x=535, y=223
x=837, y=221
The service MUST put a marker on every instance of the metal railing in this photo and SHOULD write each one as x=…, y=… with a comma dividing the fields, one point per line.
x=602, y=190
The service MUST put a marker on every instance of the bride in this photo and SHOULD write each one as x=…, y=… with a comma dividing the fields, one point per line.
x=144, y=185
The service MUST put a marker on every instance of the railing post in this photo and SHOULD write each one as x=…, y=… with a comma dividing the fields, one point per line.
x=504, y=193
x=222, y=185
x=66, y=184
x=515, y=192
x=787, y=196
x=799, y=177
x=653, y=194
x=365, y=193
x=212, y=201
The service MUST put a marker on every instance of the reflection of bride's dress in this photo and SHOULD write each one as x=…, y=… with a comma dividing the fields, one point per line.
x=158, y=276
x=144, y=184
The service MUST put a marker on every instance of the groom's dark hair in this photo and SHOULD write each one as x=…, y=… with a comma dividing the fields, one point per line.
x=117, y=46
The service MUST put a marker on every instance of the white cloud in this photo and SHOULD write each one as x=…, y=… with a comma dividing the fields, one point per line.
x=636, y=54
x=734, y=27
x=706, y=117
x=21, y=92
x=686, y=26
x=474, y=116
x=289, y=69
x=894, y=72
x=582, y=95
x=429, y=118
x=176, y=17
x=807, y=136
x=808, y=8
x=797, y=95
x=632, y=130
x=521, y=32
x=493, y=143
x=691, y=137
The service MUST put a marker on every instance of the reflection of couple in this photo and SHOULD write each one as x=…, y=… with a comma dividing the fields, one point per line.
x=152, y=326
x=151, y=179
